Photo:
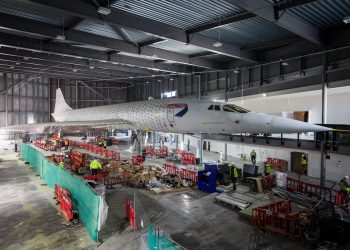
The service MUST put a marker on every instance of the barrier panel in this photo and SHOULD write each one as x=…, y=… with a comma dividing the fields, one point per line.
x=66, y=206
x=189, y=174
x=278, y=164
x=183, y=172
x=188, y=158
x=313, y=190
x=96, y=149
x=171, y=169
x=130, y=213
x=277, y=217
x=84, y=199
x=137, y=160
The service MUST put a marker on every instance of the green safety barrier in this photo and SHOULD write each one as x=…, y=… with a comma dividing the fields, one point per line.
x=85, y=201
x=159, y=242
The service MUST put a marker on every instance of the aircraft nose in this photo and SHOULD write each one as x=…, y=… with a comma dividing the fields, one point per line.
x=285, y=125
x=269, y=124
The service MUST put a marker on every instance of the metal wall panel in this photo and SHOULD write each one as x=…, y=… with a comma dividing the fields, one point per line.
x=22, y=98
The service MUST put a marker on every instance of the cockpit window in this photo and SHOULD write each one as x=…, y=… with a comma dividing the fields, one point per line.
x=234, y=108
x=211, y=107
x=217, y=107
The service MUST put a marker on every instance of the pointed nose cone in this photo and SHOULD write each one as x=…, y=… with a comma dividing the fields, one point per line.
x=284, y=125
x=269, y=124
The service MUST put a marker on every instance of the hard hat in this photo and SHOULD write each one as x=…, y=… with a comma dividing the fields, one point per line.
x=346, y=177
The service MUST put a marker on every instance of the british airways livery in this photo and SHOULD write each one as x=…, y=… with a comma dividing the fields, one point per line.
x=170, y=115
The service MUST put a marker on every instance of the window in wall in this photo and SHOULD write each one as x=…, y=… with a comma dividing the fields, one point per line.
x=168, y=94
x=217, y=107
x=211, y=107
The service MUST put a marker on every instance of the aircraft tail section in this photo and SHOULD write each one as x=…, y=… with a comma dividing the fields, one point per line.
x=60, y=105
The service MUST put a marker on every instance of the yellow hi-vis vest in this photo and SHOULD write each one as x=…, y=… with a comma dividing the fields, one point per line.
x=303, y=161
x=344, y=186
x=95, y=164
x=253, y=153
x=235, y=171
x=268, y=168
x=61, y=164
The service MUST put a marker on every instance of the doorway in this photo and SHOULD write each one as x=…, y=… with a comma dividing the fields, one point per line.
x=299, y=162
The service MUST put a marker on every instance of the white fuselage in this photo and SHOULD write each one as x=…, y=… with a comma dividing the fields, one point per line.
x=188, y=116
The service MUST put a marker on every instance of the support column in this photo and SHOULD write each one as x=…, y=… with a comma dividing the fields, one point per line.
x=199, y=87
x=6, y=100
x=154, y=140
x=76, y=94
x=324, y=120
x=200, y=148
x=176, y=141
x=225, y=152
x=183, y=142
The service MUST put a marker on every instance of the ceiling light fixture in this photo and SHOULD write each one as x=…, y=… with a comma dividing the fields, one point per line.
x=236, y=71
x=91, y=64
x=346, y=20
x=218, y=43
x=283, y=63
x=171, y=79
x=12, y=67
x=104, y=11
x=264, y=95
x=61, y=37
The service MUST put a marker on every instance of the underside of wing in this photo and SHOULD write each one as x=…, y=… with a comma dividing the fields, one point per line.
x=70, y=126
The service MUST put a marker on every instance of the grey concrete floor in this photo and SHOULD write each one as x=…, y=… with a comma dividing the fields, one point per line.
x=29, y=218
x=193, y=220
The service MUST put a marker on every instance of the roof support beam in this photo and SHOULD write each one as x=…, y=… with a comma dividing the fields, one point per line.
x=207, y=53
x=69, y=25
x=292, y=4
x=222, y=22
x=51, y=51
x=126, y=19
x=287, y=21
x=152, y=41
x=51, y=31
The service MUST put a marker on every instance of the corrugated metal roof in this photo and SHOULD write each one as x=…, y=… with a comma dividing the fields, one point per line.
x=98, y=28
x=179, y=47
x=248, y=32
x=324, y=14
x=179, y=13
x=34, y=11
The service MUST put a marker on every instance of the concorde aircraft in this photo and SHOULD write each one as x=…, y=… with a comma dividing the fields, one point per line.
x=169, y=115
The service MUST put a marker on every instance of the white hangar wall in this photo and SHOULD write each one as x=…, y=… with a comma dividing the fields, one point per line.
x=338, y=104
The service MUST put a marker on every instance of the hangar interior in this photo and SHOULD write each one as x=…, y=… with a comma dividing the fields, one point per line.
x=286, y=58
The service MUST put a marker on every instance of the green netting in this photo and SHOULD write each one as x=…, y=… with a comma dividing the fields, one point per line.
x=159, y=242
x=24, y=152
x=85, y=201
